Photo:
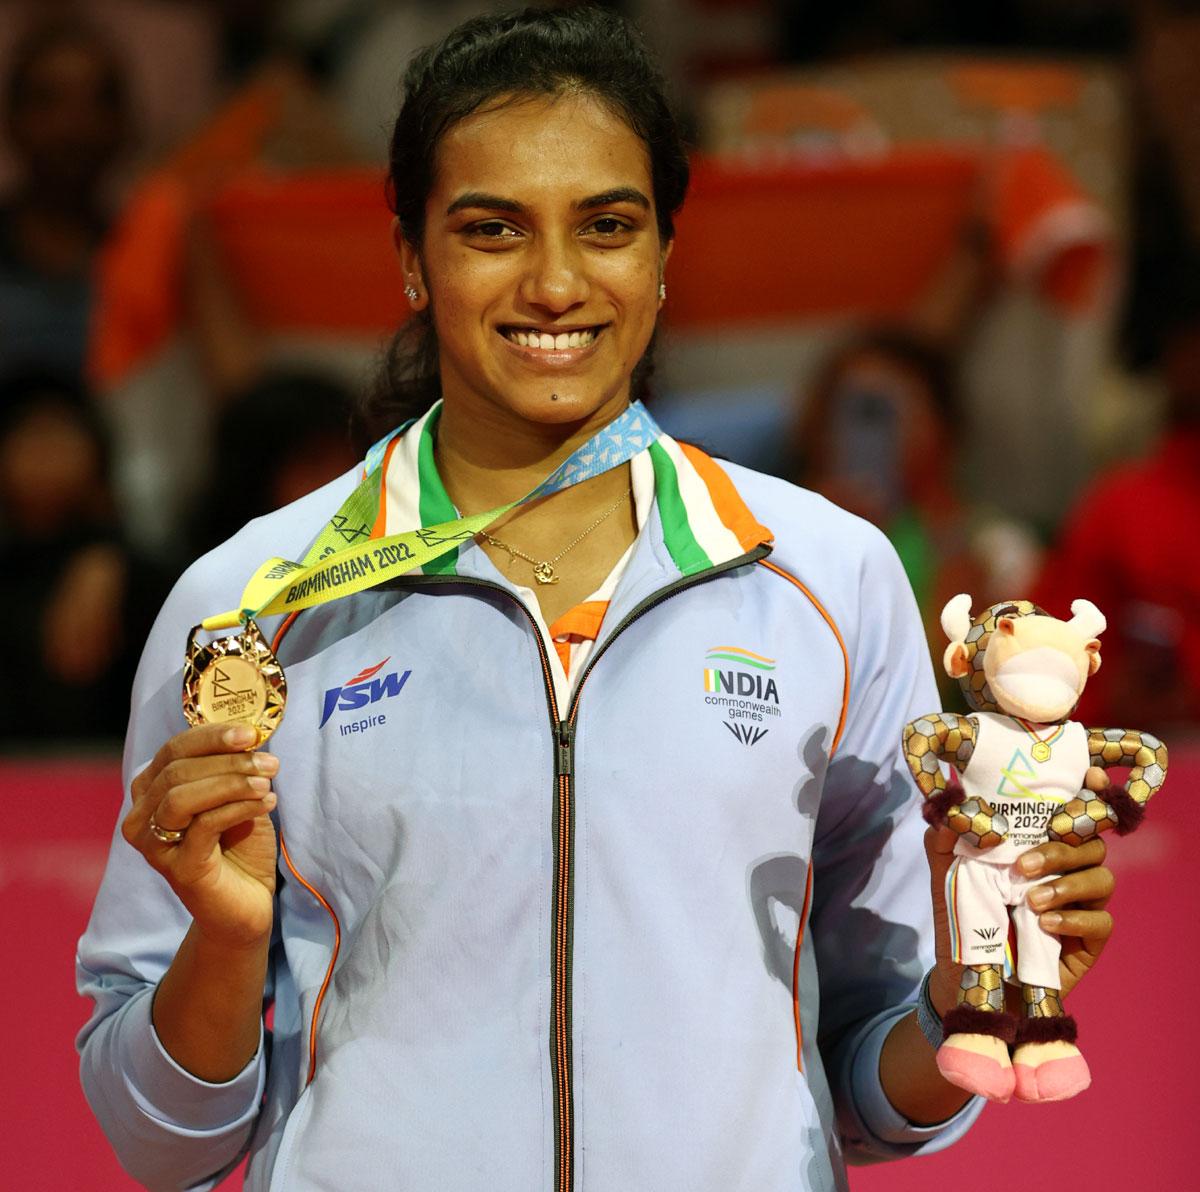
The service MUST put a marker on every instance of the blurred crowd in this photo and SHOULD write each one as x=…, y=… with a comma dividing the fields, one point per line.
x=113, y=478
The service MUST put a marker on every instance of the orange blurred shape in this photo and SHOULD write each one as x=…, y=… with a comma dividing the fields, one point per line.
x=1027, y=87
x=140, y=272
x=140, y=281
x=798, y=240
x=1049, y=233
x=234, y=136
x=312, y=252
x=784, y=109
x=783, y=241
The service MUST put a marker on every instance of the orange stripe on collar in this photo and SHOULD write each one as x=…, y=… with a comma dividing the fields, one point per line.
x=730, y=508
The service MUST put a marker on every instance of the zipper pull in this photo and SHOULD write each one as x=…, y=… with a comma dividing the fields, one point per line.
x=564, y=753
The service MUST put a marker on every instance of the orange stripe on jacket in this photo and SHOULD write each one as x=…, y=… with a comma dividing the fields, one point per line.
x=337, y=944
x=288, y=622
x=837, y=737
x=841, y=724
x=808, y=885
x=730, y=507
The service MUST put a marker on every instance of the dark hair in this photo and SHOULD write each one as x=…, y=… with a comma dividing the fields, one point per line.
x=925, y=360
x=535, y=52
x=928, y=362
x=290, y=408
x=41, y=40
x=29, y=391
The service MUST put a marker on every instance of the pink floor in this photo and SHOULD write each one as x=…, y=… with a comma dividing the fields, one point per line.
x=1130, y=1130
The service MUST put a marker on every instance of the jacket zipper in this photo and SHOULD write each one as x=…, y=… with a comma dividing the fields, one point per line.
x=564, y=924
x=563, y=828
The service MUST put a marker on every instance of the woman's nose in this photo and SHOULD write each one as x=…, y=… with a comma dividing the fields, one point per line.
x=556, y=277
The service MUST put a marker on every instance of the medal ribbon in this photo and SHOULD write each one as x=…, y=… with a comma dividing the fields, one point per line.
x=1047, y=741
x=336, y=565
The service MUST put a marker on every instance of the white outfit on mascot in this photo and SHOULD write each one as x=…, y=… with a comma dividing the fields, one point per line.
x=983, y=884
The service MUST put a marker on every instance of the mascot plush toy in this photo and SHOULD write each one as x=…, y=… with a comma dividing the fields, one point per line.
x=1028, y=774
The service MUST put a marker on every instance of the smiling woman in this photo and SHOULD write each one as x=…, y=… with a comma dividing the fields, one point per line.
x=538, y=229
x=595, y=65
x=568, y=891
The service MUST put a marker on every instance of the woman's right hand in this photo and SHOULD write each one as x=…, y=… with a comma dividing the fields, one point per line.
x=204, y=783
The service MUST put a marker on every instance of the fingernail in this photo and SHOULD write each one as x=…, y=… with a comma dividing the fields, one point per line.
x=240, y=735
x=266, y=763
x=260, y=784
x=1050, y=920
x=1042, y=896
x=1030, y=863
x=269, y=800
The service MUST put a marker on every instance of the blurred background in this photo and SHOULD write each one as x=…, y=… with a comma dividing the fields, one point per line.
x=940, y=261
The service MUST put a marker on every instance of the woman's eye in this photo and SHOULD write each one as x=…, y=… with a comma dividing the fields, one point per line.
x=609, y=225
x=492, y=229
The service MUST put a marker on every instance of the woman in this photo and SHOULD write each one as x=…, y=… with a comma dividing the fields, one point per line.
x=877, y=437
x=65, y=111
x=556, y=907
x=86, y=596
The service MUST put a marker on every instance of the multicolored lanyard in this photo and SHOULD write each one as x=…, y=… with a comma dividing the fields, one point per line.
x=339, y=564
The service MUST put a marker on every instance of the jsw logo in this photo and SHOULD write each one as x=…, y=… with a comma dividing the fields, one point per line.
x=362, y=690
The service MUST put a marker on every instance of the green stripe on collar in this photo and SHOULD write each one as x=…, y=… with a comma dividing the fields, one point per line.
x=685, y=551
x=434, y=504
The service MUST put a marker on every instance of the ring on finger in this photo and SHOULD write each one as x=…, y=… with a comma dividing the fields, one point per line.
x=165, y=835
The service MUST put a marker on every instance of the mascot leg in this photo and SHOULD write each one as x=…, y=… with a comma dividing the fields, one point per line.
x=1047, y=1064
x=976, y=1035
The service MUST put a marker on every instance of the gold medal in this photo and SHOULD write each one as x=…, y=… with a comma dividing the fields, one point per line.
x=1041, y=752
x=234, y=679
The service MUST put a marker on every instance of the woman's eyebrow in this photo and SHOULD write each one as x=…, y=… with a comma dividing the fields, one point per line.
x=481, y=200
x=619, y=194
x=477, y=198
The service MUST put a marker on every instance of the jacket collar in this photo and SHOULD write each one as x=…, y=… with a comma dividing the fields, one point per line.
x=699, y=520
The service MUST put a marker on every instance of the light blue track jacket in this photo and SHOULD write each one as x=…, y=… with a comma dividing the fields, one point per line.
x=651, y=940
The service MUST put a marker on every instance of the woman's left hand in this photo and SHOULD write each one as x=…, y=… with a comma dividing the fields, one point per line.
x=1072, y=906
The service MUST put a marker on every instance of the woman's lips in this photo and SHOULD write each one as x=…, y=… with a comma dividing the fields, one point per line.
x=553, y=356
x=550, y=340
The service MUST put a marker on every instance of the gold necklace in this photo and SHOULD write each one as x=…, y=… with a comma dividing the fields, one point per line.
x=543, y=569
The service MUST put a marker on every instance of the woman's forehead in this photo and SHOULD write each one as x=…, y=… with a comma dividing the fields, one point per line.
x=541, y=148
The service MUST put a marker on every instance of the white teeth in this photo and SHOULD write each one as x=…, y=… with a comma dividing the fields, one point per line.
x=551, y=343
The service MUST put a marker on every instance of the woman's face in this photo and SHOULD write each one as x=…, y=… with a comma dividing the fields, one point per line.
x=878, y=434
x=541, y=260
x=50, y=470
x=69, y=122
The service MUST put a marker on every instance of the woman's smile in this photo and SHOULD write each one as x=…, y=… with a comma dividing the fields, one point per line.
x=542, y=260
x=552, y=347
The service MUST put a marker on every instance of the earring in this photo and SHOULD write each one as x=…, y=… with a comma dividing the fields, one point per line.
x=662, y=291
x=410, y=292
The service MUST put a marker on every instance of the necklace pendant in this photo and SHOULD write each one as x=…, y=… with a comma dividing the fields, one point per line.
x=1041, y=752
x=544, y=573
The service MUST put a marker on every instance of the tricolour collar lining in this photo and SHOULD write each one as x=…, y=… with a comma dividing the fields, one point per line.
x=704, y=519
